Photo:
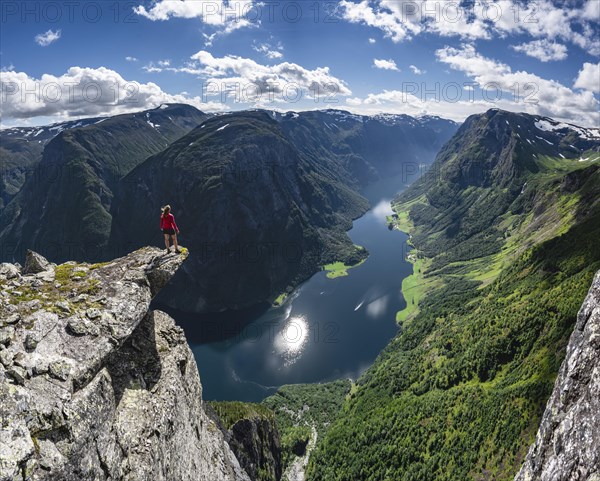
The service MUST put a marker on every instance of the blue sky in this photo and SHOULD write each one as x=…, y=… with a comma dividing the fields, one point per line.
x=63, y=60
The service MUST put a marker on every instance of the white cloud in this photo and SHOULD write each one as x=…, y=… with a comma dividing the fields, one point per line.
x=209, y=39
x=544, y=50
x=227, y=15
x=402, y=20
x=269, y=51
x=589, y=77
x=405, y=102
x=45, y=39
x=386, y=64
x=499, y=87
x=237, y=73
x=159, y=66
x=385, y=19
x=152, y=68
x=82, y=92
x=372, y=41
x=416, y=70
x=591, y=11
x=533, y=94
x=131, y=59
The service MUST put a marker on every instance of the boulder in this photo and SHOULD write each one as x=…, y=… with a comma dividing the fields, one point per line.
x=35, y=263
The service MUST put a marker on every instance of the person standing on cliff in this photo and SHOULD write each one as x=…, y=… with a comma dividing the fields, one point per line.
x=169, y=228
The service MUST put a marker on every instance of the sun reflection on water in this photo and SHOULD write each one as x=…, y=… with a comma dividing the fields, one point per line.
x=291, y=340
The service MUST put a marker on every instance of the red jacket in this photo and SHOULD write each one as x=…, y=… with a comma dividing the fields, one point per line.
x=168, y=222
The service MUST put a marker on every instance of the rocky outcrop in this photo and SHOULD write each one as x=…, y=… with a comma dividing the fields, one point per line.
x=255, y=441
x=566, y=445
x=94, y=385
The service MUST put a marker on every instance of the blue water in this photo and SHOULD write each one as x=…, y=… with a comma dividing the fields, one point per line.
x=327, y=329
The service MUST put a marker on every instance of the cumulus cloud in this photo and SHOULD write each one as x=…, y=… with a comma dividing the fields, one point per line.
x=383, y=17
x=82, y=92
x=416, y=70
x=589, y=77
x=228, y=15
x=402, y=20
x=234, y=73
x=45, y=39
x=499, y=87
x=410, y=100
x=544, y=50
x=386, y=65
x=531, y=93
x=372, y=41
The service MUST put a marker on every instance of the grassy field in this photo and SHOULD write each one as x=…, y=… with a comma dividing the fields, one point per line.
x=339, y=269
x=280, y=299
x=414, y=288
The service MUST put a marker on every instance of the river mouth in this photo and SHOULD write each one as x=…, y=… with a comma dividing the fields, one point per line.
x=326, y=329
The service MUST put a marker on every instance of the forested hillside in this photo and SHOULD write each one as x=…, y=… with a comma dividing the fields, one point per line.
x=506, y=244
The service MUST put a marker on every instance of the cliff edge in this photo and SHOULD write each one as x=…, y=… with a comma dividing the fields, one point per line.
x=566, y=445
x=94, y=385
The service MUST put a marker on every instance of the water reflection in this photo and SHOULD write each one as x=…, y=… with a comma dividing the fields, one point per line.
x=382, y=210
x=378, y=307
x=327, y=329
x=292, y=339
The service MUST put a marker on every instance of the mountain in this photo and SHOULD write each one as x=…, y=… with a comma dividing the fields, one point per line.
x=263, y=199
x=483, y=170
x=95, y=385
x=255, y=212
x=21, y=150
x=63, y=207
x=368, y=147
x=505, y=228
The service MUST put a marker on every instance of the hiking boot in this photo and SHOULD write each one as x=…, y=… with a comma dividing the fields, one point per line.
x=168, y=251
x=178, y=251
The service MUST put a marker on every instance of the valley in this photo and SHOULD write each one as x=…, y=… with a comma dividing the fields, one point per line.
x=500, y=269
x=324, y=330
x=365, y=311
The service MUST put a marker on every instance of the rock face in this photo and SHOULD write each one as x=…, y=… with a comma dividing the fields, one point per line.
x=94, y=386
x=256, y=442
x=566, y=445
x=257, y=446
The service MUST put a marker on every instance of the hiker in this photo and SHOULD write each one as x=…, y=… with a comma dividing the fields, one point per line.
x=169, y=228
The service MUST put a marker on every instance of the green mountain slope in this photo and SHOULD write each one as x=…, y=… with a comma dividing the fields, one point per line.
x=506, y=243
x=255, y=214
x=21, y=150
x=63, y=208
x=368, y=147
x=263, y=199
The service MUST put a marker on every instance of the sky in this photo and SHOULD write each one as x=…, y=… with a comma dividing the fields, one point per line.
x=63, y=60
